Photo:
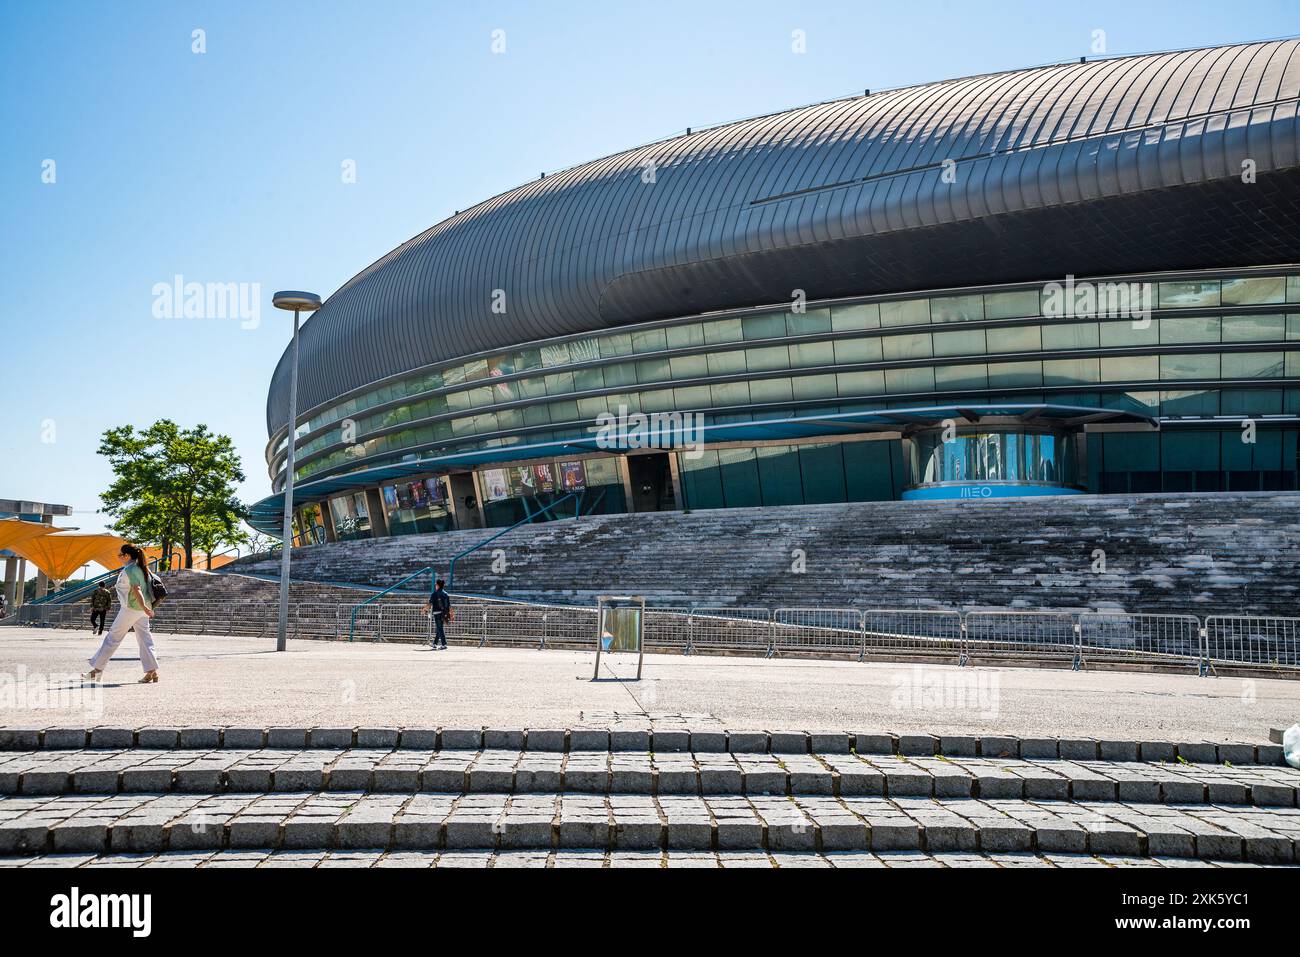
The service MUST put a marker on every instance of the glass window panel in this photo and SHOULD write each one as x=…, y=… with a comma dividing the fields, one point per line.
x=853, y=384
x=590, y=408
x=764, y=359
x=532, y=388
x=779, y=475
x=584, y=350
x=739, y=469
x=726, y=363
x=850, y=318
x=814, y=387
x=685, y=336
x=689, y=367
x=584, y=380
x=1293, y=288
x=1196, y=402
x=1293, y=327
x=914, y=346
x=1190, y=366
x=1181, y=295
x=769, y=326
x=485, y=422
x=692, y=397
x=510, y=418
x=459, y=401
x=808, y=323
x=1016, y=339
x=1070, y=371
x=463, y=426
x=564, y=411
x=951, y=378
x=909, y=380
x=649, y=340
x=618, y=344
x=555, y=355
x=1253, y=328
x=770, y=390
x=906, y=312
x=729, y=393
x=1126, y=368
x=1174, y=329
x=858, y=350
x=960, y=342
x=959, y=308
x=660, y=400
x=1252, y=365
x=723, y=330
x=1008, y=375
x=620, y=373
x=1129, y=333
x=1260, y=289
x=476, y=369
x=1292, y=364
x=527, y=359
x=561, y=383
x=1071, y=335
x=652, y=370
x=812, y=354
x=1011, y=305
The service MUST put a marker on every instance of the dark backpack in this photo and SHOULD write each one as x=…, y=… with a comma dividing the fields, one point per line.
x=157, y=590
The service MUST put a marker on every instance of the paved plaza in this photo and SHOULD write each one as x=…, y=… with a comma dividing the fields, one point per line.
x=215, y=681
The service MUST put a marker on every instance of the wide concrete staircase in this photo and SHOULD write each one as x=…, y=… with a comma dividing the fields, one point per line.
x=1229, y=553
x=634, y=791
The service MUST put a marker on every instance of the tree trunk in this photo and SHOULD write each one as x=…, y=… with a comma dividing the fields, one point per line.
x=189, y=541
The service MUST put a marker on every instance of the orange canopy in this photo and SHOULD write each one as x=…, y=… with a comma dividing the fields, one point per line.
x=15, y=530
x=59, y=556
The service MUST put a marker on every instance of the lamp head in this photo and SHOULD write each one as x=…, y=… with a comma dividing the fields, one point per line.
x=296, y=300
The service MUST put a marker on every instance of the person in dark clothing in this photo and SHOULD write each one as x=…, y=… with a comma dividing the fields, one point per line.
x=100, y=602
x=440, y=604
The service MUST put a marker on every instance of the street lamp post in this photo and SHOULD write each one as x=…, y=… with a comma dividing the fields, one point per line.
x=298, y=302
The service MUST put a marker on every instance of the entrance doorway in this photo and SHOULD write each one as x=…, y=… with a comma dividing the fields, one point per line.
x=465, y=497
x=652, y=482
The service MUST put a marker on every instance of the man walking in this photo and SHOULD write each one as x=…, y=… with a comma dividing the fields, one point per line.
x=100, y=601
x=440, y=604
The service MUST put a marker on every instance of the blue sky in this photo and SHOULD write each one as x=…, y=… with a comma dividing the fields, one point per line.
x=226, y=166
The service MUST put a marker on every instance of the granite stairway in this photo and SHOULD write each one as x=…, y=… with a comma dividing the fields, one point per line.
x=635, y=793
x=1225, y=553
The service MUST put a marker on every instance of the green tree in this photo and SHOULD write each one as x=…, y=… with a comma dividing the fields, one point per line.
x=174, y=486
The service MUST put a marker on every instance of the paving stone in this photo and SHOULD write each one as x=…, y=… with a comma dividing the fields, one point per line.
x=147, y=779
x=747, y=742
x=1038, y=748
x=418, y=739
x=958, y=745
x=80, y=835
x=250, y=739
x=20, y=739
x=1078, y=749
x=917, y=744
x=1264, y=754
x=462, y=739
x=112, y=737
x=64, y=738
x=1237, y=753
x=629, y=739
x=788, y=742
x=1157, y=751
x=589, y=739
x=668, y=741
x=286, y=738
x=545, y=739
x=328, y=738
x=386, y=738
x=1198, y=752
x=1118, y=750
x=995, y=746
x=503, y=739
x=721, y=778
x=159, y=738
x=830, y=742
x=711, y=742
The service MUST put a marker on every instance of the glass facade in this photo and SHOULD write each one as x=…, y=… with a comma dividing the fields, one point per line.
x=1213, y=346
x=1028, y=458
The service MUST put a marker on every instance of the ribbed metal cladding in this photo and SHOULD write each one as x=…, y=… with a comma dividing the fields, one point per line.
x=835, y=196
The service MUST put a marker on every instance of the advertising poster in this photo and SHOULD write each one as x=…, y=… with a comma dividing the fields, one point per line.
x=390, y=496
x=437, y=494
x=542, y=478
x=494, y=484
x=522, y=481
x=573, y=476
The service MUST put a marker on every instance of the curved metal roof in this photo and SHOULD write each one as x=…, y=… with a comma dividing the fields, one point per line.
x=847, y=197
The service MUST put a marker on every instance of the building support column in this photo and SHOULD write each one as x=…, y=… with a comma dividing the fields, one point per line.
x=22, y=581
x=378, y=517
x=327, y=519
x=11, y=575
x=42, y=584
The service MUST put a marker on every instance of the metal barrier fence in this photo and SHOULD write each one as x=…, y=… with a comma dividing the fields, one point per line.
x=729, y=629
x=1170, y=640
x=1243, y=639
x=912, y=631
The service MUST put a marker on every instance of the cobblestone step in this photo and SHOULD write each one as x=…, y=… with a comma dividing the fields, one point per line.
x=541, y=858
x=637, y=737
x=579, y=772
x=354, y=821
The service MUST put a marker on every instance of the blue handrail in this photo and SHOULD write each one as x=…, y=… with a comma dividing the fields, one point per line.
x=451, y=572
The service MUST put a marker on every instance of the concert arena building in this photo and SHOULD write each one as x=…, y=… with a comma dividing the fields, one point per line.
x=1073, y=279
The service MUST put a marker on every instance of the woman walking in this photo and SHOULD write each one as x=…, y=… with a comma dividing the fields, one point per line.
x=135, y=608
